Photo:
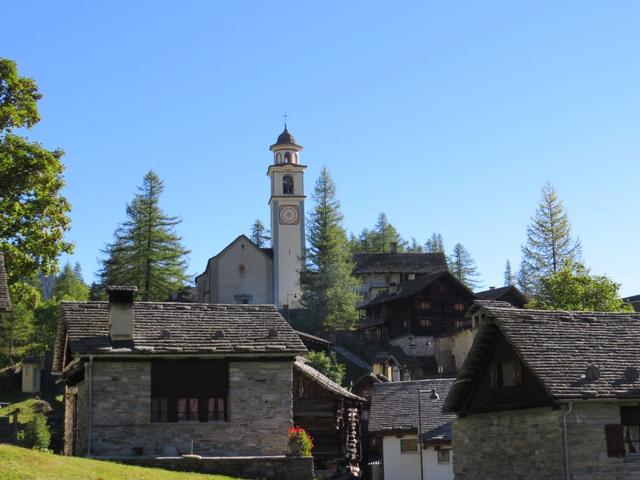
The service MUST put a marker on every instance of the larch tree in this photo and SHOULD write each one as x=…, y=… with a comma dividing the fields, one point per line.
x=463, y=267
x=434, y=244
x=509, y=277
x=259, y=234
x=329, y=289
x=414, y=247
x=381, y=239
x=33, y=212
x=146, y=251
x=549, y=242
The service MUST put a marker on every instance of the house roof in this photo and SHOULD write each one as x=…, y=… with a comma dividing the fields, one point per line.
x=557, y=347
x=412, y=287
x=399, y=262
x=266, y=251
x=394, y=408
x=634, y=301
x=500, y=292
x=313, y=341
x=5, y=301
x=165, y=328
x=319, y=378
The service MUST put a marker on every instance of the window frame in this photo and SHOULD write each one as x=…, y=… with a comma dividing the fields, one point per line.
x=404, y=441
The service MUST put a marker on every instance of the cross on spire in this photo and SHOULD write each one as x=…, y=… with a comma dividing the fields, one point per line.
x=285, y=119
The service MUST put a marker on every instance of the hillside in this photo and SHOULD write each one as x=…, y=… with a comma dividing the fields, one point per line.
x=22, y=464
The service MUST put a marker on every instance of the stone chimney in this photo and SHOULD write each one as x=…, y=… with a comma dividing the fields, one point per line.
x=394, y=247
x=121, y=312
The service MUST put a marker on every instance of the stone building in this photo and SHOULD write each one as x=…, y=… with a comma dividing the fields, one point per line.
x=400, y=413
x=548, y=395
x=244, y=273
x=152, y=378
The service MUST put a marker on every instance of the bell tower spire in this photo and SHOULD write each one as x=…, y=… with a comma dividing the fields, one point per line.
x=287, y=218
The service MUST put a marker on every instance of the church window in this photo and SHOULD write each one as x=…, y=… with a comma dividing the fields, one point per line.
x=287, y=157
x=287, y=185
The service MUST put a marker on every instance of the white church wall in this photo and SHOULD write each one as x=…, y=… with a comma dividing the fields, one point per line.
x=231, y=280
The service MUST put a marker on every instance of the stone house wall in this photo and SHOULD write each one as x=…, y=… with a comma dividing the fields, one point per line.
x=259, y=409
x=77, y=394
x=529, y=444
x=515, y=444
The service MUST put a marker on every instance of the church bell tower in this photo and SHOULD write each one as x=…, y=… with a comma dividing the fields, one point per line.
x=287, y=219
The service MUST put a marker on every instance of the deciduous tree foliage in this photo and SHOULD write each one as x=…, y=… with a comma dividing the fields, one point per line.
x=573, y=288
x=146, y=251
x=329, y=365
x=549, y=241
x=329, y=290
x=33, y=213
x=259, y=234
x=463, y=267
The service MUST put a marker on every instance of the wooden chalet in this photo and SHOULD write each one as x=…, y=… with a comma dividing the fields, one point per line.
x=429, y=305
x=331, y=414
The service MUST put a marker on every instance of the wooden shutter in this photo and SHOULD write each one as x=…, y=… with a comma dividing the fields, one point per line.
x=615, y=440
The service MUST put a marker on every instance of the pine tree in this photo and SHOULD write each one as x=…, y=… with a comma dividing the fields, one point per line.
x=435, y=244
x=259, y=234
x=146, y=251
x=524, y=280
x=549, y=241
x=463, y=267
x=329, y=291
x=414, y=247
x=69, y=284
x=385, y=236
x=509, y=277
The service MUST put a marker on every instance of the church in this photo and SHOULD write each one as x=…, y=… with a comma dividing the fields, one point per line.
x=244, y=273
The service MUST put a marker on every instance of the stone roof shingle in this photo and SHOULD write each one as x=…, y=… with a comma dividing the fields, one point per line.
x=179, y=328
x=399, y=262
x=394, y=408
x=558, y=346
x=5, y=301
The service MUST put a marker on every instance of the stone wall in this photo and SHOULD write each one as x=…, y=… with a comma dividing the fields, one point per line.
x=528, y=444
x=259, y=408
x=414, y=345
x=263, y=468
x=588, y=447
x=519, y=444
x=76, y=425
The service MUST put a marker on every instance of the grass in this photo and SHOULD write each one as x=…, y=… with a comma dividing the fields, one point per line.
x=22, y=464
x=27, y=405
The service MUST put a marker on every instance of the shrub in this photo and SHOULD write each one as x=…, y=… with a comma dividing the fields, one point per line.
x=37, y=434
x=300, y=441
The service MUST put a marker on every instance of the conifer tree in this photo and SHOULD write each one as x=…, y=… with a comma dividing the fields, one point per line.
x=463, y=267
x=524, y=280
x=146, y=251
x=414, y=247
x=549, y=241
x=259, y=234
x=385, y=235
x=329, y=290
x=509, y=277
x=435, y=244
x=69, y=284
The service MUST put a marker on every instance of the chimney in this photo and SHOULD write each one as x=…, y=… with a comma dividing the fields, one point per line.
x=394, y=247
x=492, y=288
x=121, y=312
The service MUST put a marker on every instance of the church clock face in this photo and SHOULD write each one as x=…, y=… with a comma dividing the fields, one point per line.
x=289, y=215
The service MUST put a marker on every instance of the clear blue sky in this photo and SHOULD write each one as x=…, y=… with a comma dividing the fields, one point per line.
x=448, y=116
